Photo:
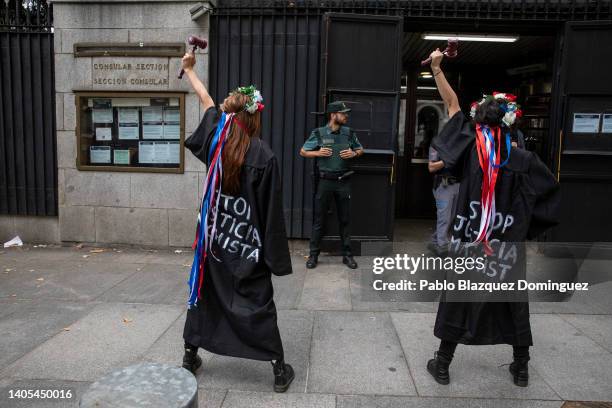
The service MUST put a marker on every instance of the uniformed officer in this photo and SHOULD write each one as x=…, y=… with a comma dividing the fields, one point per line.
x=445, y=191
x=332, y=146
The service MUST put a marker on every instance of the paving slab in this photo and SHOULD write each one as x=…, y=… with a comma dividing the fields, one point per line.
x=575, y=366
x=287, y=289
x=70, y=390
x=363, y=301
x=240, y=399
x=26, y=324
x=357, y=353
x=326, y=288
x=153, y=284
x=597, y=328
x=169, y=348
x=475, y=371
x=110, y=336
x=209, y=398
x=62, y=279
x=352, y=401
x=222, y=372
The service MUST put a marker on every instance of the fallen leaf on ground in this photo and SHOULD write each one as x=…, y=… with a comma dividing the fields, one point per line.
x=85, y=256
x=31, y=270
x=9, y=269
x=97, y=251
x=186, y=265
x=13, y=295
x=79, y=246
x=40, y=279
x=178, y=251
x=126, y=320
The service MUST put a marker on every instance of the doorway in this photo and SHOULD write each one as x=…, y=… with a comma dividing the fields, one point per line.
x=523, y=67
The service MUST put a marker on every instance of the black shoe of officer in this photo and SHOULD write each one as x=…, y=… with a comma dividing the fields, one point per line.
x=283, y=375
x=312, y=261
x=191, y=360
x=438, y=368
x=520, y=372
x=349, y=261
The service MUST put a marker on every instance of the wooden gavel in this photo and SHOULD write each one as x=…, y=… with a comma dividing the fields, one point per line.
x=197, y=42
x=450, y=51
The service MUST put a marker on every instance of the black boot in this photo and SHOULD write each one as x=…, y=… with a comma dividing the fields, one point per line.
x=438, y=368
x=349, y=261
x=283, y=375
x=191, y=360
x=520, y=372
x=312, y=261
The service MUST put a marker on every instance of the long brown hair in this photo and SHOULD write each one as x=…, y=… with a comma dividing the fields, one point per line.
x=238, y=140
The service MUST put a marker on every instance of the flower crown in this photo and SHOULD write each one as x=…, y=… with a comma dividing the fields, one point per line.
x=507, y=102
x=254, y=103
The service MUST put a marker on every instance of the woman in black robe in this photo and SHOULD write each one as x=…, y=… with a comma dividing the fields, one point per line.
x=234, y=312
x=526, y=204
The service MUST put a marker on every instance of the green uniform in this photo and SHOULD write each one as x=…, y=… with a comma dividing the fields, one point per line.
x=330, y=168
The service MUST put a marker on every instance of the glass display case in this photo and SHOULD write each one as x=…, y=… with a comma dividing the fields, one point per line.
x=130, y=131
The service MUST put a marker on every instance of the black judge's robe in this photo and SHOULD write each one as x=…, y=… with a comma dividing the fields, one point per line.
x=527, y=192
x=236, y=315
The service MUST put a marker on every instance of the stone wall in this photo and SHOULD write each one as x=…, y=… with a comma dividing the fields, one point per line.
x=118, y=207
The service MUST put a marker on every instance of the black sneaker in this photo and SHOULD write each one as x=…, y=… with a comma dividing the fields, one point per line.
x=191, y=360
x=520, y=373
x=349, y=261
x=283, y=376
x=438, y=368
x=312, y=261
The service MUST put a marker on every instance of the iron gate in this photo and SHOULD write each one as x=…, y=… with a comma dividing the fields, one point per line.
x=28, y=163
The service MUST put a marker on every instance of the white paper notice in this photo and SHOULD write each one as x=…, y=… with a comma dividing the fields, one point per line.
x=159, y=152
x=146, y=152
x=174, y=156
x=152, y=131
x=606, y=125
x=586, y=123
x=172, y=115
x=128, y=116
x=99, y=154
x=152, y=114
x=104, y=134
x=129, y=132
x=102, y=116
x=172, y=131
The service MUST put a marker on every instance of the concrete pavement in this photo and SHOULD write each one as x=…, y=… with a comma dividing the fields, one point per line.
x=68, y=315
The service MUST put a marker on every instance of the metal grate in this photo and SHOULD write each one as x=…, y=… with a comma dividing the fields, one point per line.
x=509, y=10
x=26, y=15
x=28, y=162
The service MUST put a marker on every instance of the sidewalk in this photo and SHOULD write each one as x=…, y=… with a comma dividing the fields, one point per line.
x=69, y=315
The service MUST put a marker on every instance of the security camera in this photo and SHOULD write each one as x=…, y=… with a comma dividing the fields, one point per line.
x=201, y=9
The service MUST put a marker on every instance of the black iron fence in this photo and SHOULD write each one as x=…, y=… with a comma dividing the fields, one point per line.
x=28, y=162
x=526, y=10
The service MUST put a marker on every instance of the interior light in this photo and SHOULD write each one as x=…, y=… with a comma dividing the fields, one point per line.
x=426, y=88
x=471, y=37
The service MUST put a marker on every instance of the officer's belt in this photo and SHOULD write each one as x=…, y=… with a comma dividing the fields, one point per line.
x=448, y=180
x=335, y=175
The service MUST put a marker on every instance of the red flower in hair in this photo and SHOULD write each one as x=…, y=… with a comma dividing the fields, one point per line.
x=495, y=93
x=260, y=106
x=474, y=105
x=511, y=97
x=518, y=113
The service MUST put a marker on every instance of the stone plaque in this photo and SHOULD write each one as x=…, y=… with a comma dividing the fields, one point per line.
x=130, y=73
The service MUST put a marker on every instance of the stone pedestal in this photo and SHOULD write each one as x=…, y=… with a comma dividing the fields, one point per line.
x=150, y=385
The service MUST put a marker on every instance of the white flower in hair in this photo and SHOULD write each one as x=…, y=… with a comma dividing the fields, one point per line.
x=500, y=96
x=509, y=118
